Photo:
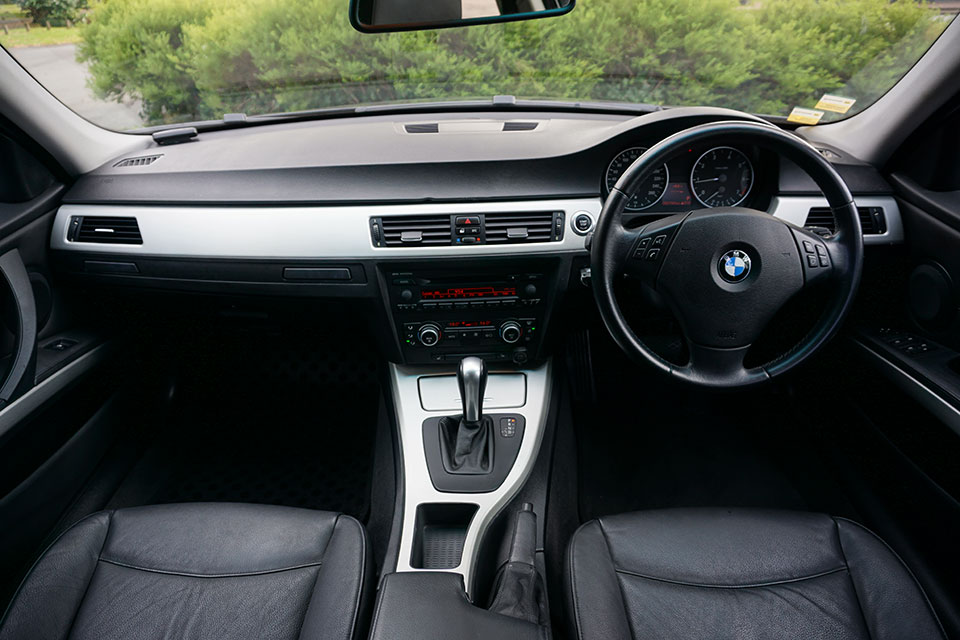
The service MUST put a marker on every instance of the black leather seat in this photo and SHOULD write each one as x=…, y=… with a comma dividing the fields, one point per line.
x=712, y=573
x=191, y=571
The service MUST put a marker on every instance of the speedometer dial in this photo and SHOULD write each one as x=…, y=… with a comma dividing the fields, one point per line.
x=649, y=191
x=722, y=177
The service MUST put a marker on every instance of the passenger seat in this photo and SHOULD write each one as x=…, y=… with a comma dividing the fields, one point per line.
x=202, y=570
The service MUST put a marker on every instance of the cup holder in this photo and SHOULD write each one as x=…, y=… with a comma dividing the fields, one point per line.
x=439, y=532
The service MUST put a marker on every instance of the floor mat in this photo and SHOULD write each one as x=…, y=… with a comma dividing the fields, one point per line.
x=648, y=444
x=282, y=425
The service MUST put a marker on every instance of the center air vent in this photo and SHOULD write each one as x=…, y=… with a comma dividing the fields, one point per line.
x=105, y=229
x=524, y=226
x=140, y=161
x=411, y=231
x=871, y=219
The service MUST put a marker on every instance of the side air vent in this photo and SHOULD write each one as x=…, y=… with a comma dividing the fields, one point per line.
x=140, y=161
x=871, y=219
x=425, y=127
x=525, y=226
x=105, y=229
x=411, y=231
x=519, y=126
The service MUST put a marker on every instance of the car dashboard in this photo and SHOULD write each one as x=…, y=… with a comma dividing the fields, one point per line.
x=462, y=232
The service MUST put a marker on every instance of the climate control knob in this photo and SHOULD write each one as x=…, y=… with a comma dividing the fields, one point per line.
x=510, y=331
x=429, y=335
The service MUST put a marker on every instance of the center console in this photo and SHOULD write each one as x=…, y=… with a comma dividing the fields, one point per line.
x=442, y=315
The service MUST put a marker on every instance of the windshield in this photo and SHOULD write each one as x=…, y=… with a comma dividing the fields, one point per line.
x=126, y=64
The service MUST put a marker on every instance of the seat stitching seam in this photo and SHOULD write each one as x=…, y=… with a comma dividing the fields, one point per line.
x=757, y=585
x=856, y=593
x=185, y=574
x=573, y=583
x=910, y=573
x=316, y=579
x=363, y=576
x=86, y=589
x=623, y=597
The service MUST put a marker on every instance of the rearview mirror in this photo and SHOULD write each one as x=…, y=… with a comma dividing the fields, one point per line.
x=377, y=16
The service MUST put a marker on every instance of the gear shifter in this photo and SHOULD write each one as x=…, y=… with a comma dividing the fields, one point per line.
x=472, y=379
x=467, y=441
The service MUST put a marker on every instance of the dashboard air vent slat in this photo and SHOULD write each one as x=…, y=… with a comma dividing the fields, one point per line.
x=140, y=161
x=527, y=226
x=415, y=230
x=105, y=229
x=425, y=127
x=519, y=126
x=871, y=219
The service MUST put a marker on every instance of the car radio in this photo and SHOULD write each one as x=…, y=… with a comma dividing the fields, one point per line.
x=447, y=317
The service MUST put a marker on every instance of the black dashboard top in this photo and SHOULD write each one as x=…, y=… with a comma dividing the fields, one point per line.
x=417, y=158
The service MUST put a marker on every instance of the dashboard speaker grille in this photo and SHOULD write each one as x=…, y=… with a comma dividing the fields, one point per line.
x=524, y=226
x=105, y=229
x=871, y=219
x=413, y=231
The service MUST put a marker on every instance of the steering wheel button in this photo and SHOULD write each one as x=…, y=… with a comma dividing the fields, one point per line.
x=821, y=251
x=659, y=240
x=653, y=254
x=812, y=261
x=808, y=246
x=823, y=261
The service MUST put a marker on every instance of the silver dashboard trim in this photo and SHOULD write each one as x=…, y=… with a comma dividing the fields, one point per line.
x=311, y=233
x=794, y=209
x=297, y=232
x=418, y=488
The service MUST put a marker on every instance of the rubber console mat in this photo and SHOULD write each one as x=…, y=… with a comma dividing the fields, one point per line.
x=282, y=425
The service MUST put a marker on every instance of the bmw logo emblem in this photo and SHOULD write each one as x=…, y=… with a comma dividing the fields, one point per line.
x=734, y=265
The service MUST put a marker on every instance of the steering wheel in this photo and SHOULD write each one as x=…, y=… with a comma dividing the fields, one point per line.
x=725, y=272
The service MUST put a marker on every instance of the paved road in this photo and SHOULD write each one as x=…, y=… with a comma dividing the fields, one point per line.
x=57, y=69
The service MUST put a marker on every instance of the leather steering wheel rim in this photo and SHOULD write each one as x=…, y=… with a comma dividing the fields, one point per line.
x=616, y=250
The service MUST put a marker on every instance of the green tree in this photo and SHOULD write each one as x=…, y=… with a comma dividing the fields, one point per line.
x=56, y=12
x=203, y=58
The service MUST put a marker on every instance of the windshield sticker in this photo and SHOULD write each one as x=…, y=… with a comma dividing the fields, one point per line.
x=835, y=103
x=804, y=116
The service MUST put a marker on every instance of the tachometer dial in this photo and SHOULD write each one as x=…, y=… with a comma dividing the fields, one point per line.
x=649, y=191
x=722, y=177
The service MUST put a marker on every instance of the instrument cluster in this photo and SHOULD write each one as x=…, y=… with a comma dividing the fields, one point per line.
x=718, y=176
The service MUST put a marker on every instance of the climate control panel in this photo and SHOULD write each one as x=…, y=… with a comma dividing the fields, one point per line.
x=434, y=340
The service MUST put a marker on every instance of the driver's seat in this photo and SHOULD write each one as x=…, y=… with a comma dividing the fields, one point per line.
x=740, y=573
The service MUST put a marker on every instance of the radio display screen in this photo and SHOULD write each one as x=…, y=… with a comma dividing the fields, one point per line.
x=465, y=293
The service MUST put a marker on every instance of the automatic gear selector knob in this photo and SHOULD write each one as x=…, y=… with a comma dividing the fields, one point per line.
x=472, y=379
